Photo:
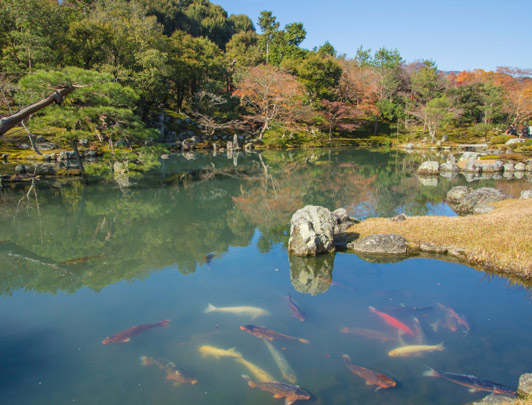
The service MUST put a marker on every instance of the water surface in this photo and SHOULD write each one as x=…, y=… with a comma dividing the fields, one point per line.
x=203, y=230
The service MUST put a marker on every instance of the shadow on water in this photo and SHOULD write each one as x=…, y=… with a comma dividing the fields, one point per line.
x=25, y=357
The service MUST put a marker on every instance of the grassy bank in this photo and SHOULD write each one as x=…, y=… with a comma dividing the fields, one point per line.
x=499, y=241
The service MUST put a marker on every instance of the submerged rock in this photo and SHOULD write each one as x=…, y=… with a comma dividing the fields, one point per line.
x=463, y=200
x=380, y=244
x=311, y=231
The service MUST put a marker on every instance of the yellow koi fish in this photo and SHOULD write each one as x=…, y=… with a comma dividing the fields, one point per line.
x=254, y=312
x=215, y=352
x=257, y=372
x=415, y=350
x=287, y=371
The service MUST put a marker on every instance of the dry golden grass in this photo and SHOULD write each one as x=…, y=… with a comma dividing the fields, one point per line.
x=499, y=241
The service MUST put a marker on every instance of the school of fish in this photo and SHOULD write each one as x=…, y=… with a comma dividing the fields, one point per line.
x=397, y=324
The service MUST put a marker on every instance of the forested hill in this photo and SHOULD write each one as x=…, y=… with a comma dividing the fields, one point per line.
x=122, y=63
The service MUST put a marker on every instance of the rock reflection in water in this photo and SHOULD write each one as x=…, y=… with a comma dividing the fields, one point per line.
x=311, y=275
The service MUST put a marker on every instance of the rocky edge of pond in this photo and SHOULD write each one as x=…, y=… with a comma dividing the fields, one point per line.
x=315, y=230
x=524, y=390
x=472, y=165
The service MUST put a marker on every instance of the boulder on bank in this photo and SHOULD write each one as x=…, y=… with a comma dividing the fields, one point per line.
x=429, y=168
x=496, y=166
x=311, y=231
x=342, y=220
x=463, y=199
x=526, y=194
x=380, y=244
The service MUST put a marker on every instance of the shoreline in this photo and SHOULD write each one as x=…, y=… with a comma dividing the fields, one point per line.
x=499, y=241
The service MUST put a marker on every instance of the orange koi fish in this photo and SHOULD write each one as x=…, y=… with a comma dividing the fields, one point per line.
x=390, y=320
x=371, y=377
x=128, y=334
x=454, y=319
x=172, y=373
x=262, y=332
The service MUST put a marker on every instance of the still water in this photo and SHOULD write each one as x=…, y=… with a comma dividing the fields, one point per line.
x=81, y=263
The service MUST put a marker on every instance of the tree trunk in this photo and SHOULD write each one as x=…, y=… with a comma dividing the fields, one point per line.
x=14, y=119
x=80, y=163
x=376, y=126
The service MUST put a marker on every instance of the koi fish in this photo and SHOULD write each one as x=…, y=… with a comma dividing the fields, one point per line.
x=262, y=332
x=369, y=334
x=297, y=311
x=254, y=312
x=415, y=350
x=390, y=320
x=420, y=334
x=286, y=371
x=474, y=384
x=172, y=373
x=128, y=334
x=454, y=319
x=215, y=352
x=371, y=377
x=291, y=393
x=258, y=373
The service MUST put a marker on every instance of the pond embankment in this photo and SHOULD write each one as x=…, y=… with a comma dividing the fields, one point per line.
x=500, y=240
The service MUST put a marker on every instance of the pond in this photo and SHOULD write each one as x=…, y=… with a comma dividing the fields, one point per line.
x=81, y=263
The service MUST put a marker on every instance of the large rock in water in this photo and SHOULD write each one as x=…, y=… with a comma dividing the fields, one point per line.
x=429, y=168
x=463, y=200
x=311, y=231
x=380, y=244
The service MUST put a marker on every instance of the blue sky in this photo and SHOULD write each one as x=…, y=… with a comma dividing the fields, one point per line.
x=457, y=35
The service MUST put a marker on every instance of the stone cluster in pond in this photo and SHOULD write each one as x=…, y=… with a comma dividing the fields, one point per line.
x=473, y=168
x=313, y=230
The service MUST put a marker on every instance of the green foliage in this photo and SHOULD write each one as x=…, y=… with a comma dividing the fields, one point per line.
x=501, y=139
x=98, y=106
x=320, y=76
x=243, y=48
x=32, y=34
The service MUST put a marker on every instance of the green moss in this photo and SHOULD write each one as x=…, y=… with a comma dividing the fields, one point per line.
x=500, y=139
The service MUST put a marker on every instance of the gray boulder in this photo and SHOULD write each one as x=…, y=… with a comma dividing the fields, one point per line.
x=342, y=220
x=311, y=231
x=472, y=166
x=526, y=194
x=20, y=169
x=513, y=141
x=466, y=156
x=463, y=200
x=429, y=168
x=380, y=244
x=43, y=169
x=520, y=167
x=44, y=146
x=496, y=166
x=449, y=167
x=525, y=384
x=509, y=167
